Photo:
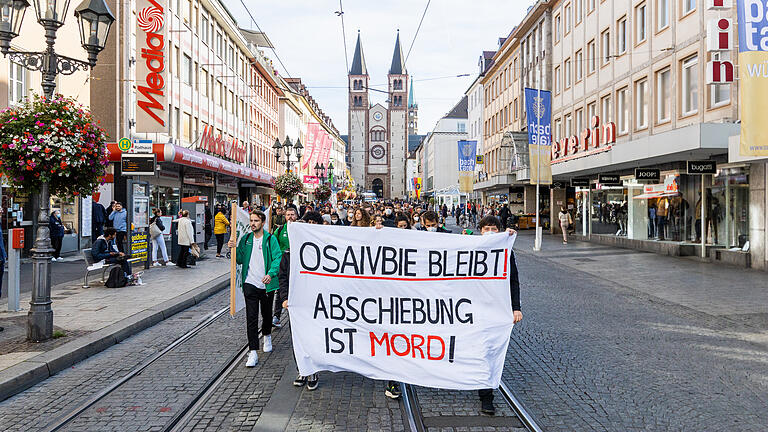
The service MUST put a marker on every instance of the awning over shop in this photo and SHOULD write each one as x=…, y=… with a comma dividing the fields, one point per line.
x=184, y=156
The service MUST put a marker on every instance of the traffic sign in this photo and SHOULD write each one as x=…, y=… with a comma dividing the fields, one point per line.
x=124, y=144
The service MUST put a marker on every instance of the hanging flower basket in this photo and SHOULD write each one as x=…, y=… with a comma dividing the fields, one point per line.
x=323, y=192
x=54, y=141
x=341, y=195
x=288, y=186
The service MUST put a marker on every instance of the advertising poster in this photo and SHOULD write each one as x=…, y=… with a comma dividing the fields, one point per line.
x=139, y=247
x=753, y=76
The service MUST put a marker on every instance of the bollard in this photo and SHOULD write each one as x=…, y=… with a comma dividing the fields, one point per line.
x=14, y=268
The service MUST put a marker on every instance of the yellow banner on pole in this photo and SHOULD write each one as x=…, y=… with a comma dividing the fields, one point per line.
x=754, y=108
x=466, y=181
x=540, y=164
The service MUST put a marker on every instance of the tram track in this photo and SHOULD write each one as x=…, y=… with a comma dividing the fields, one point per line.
x=189, y=407
x=417, y=422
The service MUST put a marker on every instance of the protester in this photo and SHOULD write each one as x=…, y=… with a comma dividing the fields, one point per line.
x=350, y=218
x=389, y=215
x=314, y=218
x=362, y=218
x=119, y=218
x=492, y=225
x=98, y=219
x=185, y=235
x=429, y=221
x=565, y=221
x=259, y=254
x=220, y=225
x=417, y=221
x=291, y=215
x=105, y=249
x=157, y=237
x=246, y=206
x=57, y=234
x=402, y=221
x=335, y=220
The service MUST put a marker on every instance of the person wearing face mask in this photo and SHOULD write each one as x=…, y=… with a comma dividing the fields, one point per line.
x=389, y=215
x=350, y=218
x=492, y=225
x=429, y=222
x=57, y=234
x=335, y=220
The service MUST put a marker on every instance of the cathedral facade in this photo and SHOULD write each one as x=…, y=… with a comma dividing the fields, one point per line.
x=378, y=134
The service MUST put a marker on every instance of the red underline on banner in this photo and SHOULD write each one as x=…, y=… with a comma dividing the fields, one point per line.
x=403, y=279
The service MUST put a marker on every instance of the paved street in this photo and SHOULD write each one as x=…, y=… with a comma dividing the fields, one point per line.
x=595, y=351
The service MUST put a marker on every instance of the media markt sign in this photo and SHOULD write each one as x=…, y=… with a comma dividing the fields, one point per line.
x=151, y=70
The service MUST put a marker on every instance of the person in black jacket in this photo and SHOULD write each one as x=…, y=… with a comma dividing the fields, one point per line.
x=104, y=249
x=57, y=234
x=492, y=225
x=98, y=219
x=208, y=227
x=283, y=279
x=429, y=222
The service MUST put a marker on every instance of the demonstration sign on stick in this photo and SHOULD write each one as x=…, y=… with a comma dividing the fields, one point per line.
x=240, y=224
x=429, y=309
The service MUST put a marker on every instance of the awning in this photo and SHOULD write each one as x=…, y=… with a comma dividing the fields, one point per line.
x=192, y=158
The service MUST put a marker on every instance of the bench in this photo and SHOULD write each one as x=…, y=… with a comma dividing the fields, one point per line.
x=92, y=266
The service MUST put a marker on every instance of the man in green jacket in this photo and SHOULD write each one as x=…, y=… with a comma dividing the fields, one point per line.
x=259, y=254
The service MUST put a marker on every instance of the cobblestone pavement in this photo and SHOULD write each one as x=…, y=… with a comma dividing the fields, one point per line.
x=458, y=411
x=37, y=406
x=592, y=354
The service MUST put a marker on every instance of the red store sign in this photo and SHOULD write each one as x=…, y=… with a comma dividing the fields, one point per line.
x=218, y=145
x=597, y=139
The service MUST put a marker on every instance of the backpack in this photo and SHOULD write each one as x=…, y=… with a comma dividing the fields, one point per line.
x=116, y=278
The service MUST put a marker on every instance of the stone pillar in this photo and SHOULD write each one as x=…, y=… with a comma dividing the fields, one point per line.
x=758, y=215
x=529, y=197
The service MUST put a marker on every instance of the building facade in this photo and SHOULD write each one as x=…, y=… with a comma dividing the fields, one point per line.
x=378, y=134
x=441, y=156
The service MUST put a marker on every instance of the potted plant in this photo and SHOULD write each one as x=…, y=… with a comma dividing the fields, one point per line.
x=323, y=192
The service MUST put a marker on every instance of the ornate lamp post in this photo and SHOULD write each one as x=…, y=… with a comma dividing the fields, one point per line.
x=94, y=20
x=330, y=173
x=286, y=148
x=320, y=172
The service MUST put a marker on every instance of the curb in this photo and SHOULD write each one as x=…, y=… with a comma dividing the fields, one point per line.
x=26, y=374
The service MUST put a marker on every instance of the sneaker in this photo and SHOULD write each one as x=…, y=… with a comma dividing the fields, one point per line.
x=300, y=381
x=276, y=322
x=253, y=359
x=312, y=382
x=267, y=343
x=393, y=391
x=155, y=264
x=487, y=408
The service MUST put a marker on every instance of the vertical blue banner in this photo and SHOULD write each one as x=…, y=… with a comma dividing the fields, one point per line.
x=467, y=153
x=539, y=110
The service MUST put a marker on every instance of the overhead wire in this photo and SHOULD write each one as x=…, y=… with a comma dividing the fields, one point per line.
x=272, y=47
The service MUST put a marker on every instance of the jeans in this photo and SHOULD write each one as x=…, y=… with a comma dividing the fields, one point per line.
x=219, y=243
x=181, y=260
x=485, y=394
x=56, y=243
x=159, y=241
x=121, y=235
x=208, y=232
x=256, y=300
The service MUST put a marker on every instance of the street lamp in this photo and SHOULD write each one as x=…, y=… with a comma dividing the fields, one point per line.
x=320, y=172
x=286, y=147
x=94, y=20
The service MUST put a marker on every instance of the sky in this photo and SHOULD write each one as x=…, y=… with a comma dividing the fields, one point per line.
x=307, y=36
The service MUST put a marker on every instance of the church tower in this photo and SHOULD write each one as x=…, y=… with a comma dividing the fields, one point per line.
x=413, y=111
x=398, y=121
x=358, y=114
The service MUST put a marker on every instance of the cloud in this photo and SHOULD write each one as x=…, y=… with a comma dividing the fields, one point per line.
x=308, y=39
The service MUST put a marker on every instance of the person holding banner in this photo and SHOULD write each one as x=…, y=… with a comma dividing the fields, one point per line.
x=284, y=277
x=429, y=221
x=259, y=254
x=290, y=216
x=492, y=225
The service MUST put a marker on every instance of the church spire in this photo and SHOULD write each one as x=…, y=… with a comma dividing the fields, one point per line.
x=398, y=62
x=358, y=61
x=411, y=99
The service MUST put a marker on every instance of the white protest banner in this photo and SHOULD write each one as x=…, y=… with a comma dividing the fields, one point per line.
x=241, y=226
x=429, y=309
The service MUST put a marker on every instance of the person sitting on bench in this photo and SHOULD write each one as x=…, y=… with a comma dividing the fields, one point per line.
x=105, y=249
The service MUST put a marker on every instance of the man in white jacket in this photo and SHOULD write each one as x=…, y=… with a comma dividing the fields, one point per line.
x=186, y=238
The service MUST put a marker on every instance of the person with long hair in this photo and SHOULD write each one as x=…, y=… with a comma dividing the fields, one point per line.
x=362, y=218
x=158, y=241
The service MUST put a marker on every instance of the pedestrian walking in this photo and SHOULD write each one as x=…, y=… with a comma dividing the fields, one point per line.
x=156, y=229
x=284, y=277
x=565, y=222
x=57, y=234
x=119, y=219
x=220, y=225
x=98, y=219
x=492, y=225
x=207, y=226
x=185, y=235
x=259, y=254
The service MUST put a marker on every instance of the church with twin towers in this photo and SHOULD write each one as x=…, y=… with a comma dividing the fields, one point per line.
x=378, y=134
